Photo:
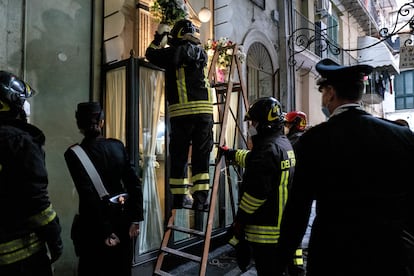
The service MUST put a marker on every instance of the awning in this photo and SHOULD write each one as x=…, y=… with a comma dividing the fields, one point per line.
x=378, y=56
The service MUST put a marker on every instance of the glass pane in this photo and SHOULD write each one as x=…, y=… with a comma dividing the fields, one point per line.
x=399, y=84
x=115, y=104
x=399, y=103
x=409, y=102
x=151, y=136
x=408, y=82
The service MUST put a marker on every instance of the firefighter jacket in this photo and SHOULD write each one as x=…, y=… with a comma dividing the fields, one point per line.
x=358, y=168
x=269, y=169
x=294, y=136
x=186, y=87
x=118, y=175
x=28, y=219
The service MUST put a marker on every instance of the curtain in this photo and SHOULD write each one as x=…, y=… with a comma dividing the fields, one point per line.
x=151, y=89
x=115, y=104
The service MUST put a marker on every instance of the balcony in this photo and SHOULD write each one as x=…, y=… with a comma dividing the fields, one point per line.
x=366, y=12
x=310, y=43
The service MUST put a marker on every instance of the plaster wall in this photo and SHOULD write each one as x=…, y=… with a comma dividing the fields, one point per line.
x=245, y=23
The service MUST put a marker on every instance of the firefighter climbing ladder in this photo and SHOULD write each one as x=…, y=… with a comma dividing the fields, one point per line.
x=224, y=91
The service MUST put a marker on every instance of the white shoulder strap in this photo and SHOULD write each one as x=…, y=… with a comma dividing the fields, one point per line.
x=90, y=169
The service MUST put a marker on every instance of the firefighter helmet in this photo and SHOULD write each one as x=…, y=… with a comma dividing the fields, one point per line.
x=267, y=111
x=13, y=93
x=183, y=27
x=297, y=119
x=183, y=30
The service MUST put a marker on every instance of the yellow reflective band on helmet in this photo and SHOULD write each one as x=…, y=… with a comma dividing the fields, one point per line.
x=273, y=113
x=19, y=249
x=250, y=204
x=4, y=106
x=262, y=233
x=29, y=90
x=179, y=35
x=43, y=217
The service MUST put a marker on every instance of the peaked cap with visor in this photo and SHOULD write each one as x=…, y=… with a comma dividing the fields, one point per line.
x=335, y=74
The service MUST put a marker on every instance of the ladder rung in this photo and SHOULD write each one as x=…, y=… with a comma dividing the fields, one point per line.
x=181, y=254
x=161, y=273
x=187, y=230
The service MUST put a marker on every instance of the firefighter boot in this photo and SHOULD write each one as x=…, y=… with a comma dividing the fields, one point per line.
x=182, y=201
x=200, y=201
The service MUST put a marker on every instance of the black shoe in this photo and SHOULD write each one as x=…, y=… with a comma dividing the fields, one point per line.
x=182, y=201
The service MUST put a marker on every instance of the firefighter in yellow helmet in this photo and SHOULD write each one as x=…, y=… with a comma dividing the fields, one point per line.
x=30, y=229
x=269, y=168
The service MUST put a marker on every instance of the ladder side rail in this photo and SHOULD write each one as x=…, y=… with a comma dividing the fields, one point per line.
x=164, y=243
x=216, y=181
x=242, y=84
x=211, y=76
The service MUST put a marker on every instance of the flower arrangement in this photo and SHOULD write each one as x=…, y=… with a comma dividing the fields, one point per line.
x=169, y=11
x=225, y=55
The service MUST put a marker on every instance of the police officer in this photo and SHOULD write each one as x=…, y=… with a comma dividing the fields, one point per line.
x=103, y=240
x=269, y=168
x=357, y=167
x=190, y=110
x=30, y=227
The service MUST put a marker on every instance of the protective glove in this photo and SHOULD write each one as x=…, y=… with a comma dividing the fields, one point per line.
x=161, y=35
x=55, y=250
x=241, y=245
x=228, y=153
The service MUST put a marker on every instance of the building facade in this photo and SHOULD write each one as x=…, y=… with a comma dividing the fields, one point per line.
x=72, y=51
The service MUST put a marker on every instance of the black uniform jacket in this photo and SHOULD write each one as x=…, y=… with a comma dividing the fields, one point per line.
x=118, y=175
x=24, y=201
x=269, y=168
x=184, y=64
x=360, y=171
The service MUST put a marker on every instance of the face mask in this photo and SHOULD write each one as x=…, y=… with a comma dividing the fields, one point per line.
x=252, y=131
x=325, y=111
x=26, y=108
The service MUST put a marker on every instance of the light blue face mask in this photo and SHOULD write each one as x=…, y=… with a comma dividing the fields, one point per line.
x=326, y=111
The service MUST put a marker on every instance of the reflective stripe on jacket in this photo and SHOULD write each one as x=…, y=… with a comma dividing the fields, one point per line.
x=20, y=249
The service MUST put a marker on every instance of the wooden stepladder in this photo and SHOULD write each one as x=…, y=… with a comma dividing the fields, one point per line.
x=231, y=98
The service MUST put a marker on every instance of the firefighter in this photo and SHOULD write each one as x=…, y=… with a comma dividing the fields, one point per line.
x=295, y=125
x=269, y=167
x=190, y=110
x=30, y=238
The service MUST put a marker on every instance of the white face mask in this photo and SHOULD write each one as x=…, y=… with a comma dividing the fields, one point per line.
x=252, y=131
x=26, y=108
